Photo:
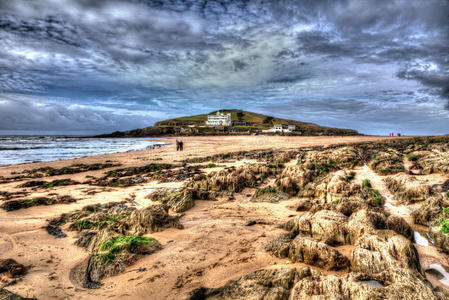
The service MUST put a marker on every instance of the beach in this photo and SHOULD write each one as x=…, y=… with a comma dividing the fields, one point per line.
x=215, y=241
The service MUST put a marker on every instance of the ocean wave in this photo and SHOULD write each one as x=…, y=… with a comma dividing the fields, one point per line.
x=24, y=149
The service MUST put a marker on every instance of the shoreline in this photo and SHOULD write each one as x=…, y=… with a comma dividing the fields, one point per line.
x=271, y=142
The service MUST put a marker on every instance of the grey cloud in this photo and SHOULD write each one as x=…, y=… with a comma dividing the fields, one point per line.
x=186, y=56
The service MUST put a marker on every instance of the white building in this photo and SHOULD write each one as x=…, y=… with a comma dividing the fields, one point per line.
x=219, y=119
x=281, y=128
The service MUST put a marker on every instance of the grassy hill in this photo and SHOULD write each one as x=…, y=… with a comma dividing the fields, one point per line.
x=246, y=116
x=254, y=122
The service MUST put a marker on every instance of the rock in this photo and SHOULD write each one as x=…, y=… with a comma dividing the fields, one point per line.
x=232, y=179
x=374, y=254
x=325, y=225
x=261, y=284
x=364, y=221
x=279, y=246
x=153, y=218
x=439, y=239
x=407, y=189
x=399, y=225
x=295, y=178
x=272, y=197
x=430, y=211
x=6, y=295
x=303, y=205
x=179, y=200
x=349, y=207
x=12, y=267
x=333, y=287
x=54, y=229
x=434, y=161
x=340, y=188
x=309, y=251
x=387, y=162
x=399, y=284
x=306, y=283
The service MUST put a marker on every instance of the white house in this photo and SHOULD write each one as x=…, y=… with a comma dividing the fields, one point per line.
x=281, y=128
x=219, y=119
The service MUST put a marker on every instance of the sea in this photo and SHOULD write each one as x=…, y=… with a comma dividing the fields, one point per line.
x=27, y=149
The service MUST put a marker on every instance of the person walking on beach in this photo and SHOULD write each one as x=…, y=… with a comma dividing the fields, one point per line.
x=181, y=145
x=178, y=145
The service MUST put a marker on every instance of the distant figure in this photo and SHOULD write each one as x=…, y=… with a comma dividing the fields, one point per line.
x=178, y=145
x=181, y=145
x=399, y=134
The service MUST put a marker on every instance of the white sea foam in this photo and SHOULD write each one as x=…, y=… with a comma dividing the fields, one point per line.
x=26, y=149
x=420, y=240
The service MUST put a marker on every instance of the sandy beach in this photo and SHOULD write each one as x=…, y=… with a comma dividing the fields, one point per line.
x=214, y=246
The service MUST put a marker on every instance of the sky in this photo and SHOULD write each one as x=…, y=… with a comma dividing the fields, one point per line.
x=89, y=67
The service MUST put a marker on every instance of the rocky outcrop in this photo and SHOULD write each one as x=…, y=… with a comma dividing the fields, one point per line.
x=438, y=238
x=340, y=188
x=434, y=160
x=113, y=235
x=385, y=251
x=269, y=195
x=12, y=268
x=312, y=252
x=232, y=179
x=387, y=162
x=407, y=189
x=178, y=200
x=430, y=210
x=295, y=179
x=305, y=283
x=7, y=295
x=346, y=157
x=261, y=284
x=325, y=226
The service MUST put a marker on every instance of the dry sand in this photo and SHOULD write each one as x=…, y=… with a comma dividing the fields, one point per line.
x=214, y=246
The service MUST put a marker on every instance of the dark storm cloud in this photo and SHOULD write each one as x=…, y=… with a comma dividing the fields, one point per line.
x=141, y=61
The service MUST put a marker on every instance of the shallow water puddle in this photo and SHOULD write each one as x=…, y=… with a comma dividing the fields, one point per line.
x=420, y=240
x=443, y=272
x=373, y=283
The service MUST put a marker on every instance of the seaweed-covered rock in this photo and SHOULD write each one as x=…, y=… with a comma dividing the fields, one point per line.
x=400, y=226
x=325, y=225
x=261, y=284
x=385, y=251
x=269, y=194
x=430, y=211
x=312, y=252
x=387, y=162
x=115, y=254
x=294, y=179
x=439, y=238
x=331, y=159
x=13, y=268
x=178, y=200
x=7, y=295
x=26, y=203
x=112, y=233
x=407, y=189
x=233, y=179
x=340, y=188
x=434, y=160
